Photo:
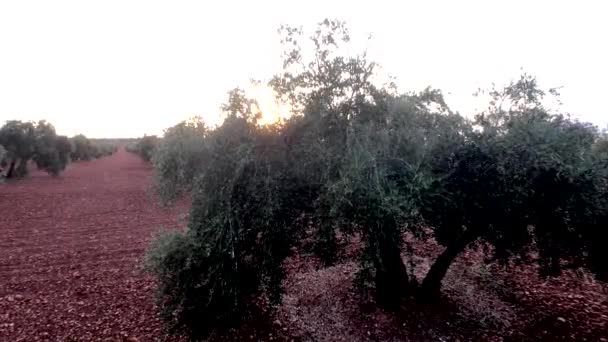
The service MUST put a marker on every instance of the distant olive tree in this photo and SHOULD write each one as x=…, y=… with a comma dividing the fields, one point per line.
x=18, y=138
x=145, y=147
x=104, y=147
x=51, y=151
x=38, y=142
x=83, y=148
x=179, y=157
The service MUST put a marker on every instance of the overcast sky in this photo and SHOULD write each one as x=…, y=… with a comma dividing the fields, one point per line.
x=125, y=68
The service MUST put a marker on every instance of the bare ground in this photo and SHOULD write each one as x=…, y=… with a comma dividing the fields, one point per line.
x=70, y=249
x=72, y=246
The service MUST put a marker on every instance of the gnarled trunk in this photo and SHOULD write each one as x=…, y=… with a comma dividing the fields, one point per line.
x=11, y=168
x=392, y=280
x=431, y=285
x=21, y=169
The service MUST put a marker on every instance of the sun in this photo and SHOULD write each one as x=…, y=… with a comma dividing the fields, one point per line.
x=272, y=110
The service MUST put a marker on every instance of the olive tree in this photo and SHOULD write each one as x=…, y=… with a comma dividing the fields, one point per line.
x=38, y=142
x=359, y=158
x=601, y=144
x=18, y=139
x=83, y=148
x=363, y=149
x=64, y=148
x=527, y=176
x=325, y=89
x=241, y=226
x=179, y=157
x=51, y=151
x=145, y=147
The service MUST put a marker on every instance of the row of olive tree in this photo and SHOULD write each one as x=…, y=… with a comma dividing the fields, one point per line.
x=87, y=149
x=29, y=141
x=22, y=142
x=357, y=158
x=144, y=146
x=177, y=156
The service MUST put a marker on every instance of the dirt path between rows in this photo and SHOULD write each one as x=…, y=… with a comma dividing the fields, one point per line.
x=70, y=250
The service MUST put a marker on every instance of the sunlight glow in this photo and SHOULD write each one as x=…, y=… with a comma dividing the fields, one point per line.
x=272, y=110
x=160, y=62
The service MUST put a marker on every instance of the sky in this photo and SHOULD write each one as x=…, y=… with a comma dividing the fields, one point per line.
x=127, y=68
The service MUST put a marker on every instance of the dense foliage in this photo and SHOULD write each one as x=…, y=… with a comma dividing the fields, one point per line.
x=179, y=157
x=2, y=155
x=83, y=148
x=28, y=141
x=239, y=232
x=25, y=142
x=87, y=149
x=358, y=158
x=105, y=147
x=144, y=147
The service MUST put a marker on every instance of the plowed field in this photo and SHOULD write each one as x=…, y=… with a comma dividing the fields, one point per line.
x=71, y=250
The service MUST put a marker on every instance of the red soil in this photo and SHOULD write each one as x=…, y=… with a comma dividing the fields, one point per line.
x=70, y=250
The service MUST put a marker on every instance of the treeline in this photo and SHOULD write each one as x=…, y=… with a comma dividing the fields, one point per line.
x=358, y=159
x=144, y=146
x=24, y=142
x=87, y=149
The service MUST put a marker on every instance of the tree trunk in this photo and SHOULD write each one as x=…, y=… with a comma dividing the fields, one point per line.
x=11, y=168
x=431, y=285
x=21, y=169
x=392, y=280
